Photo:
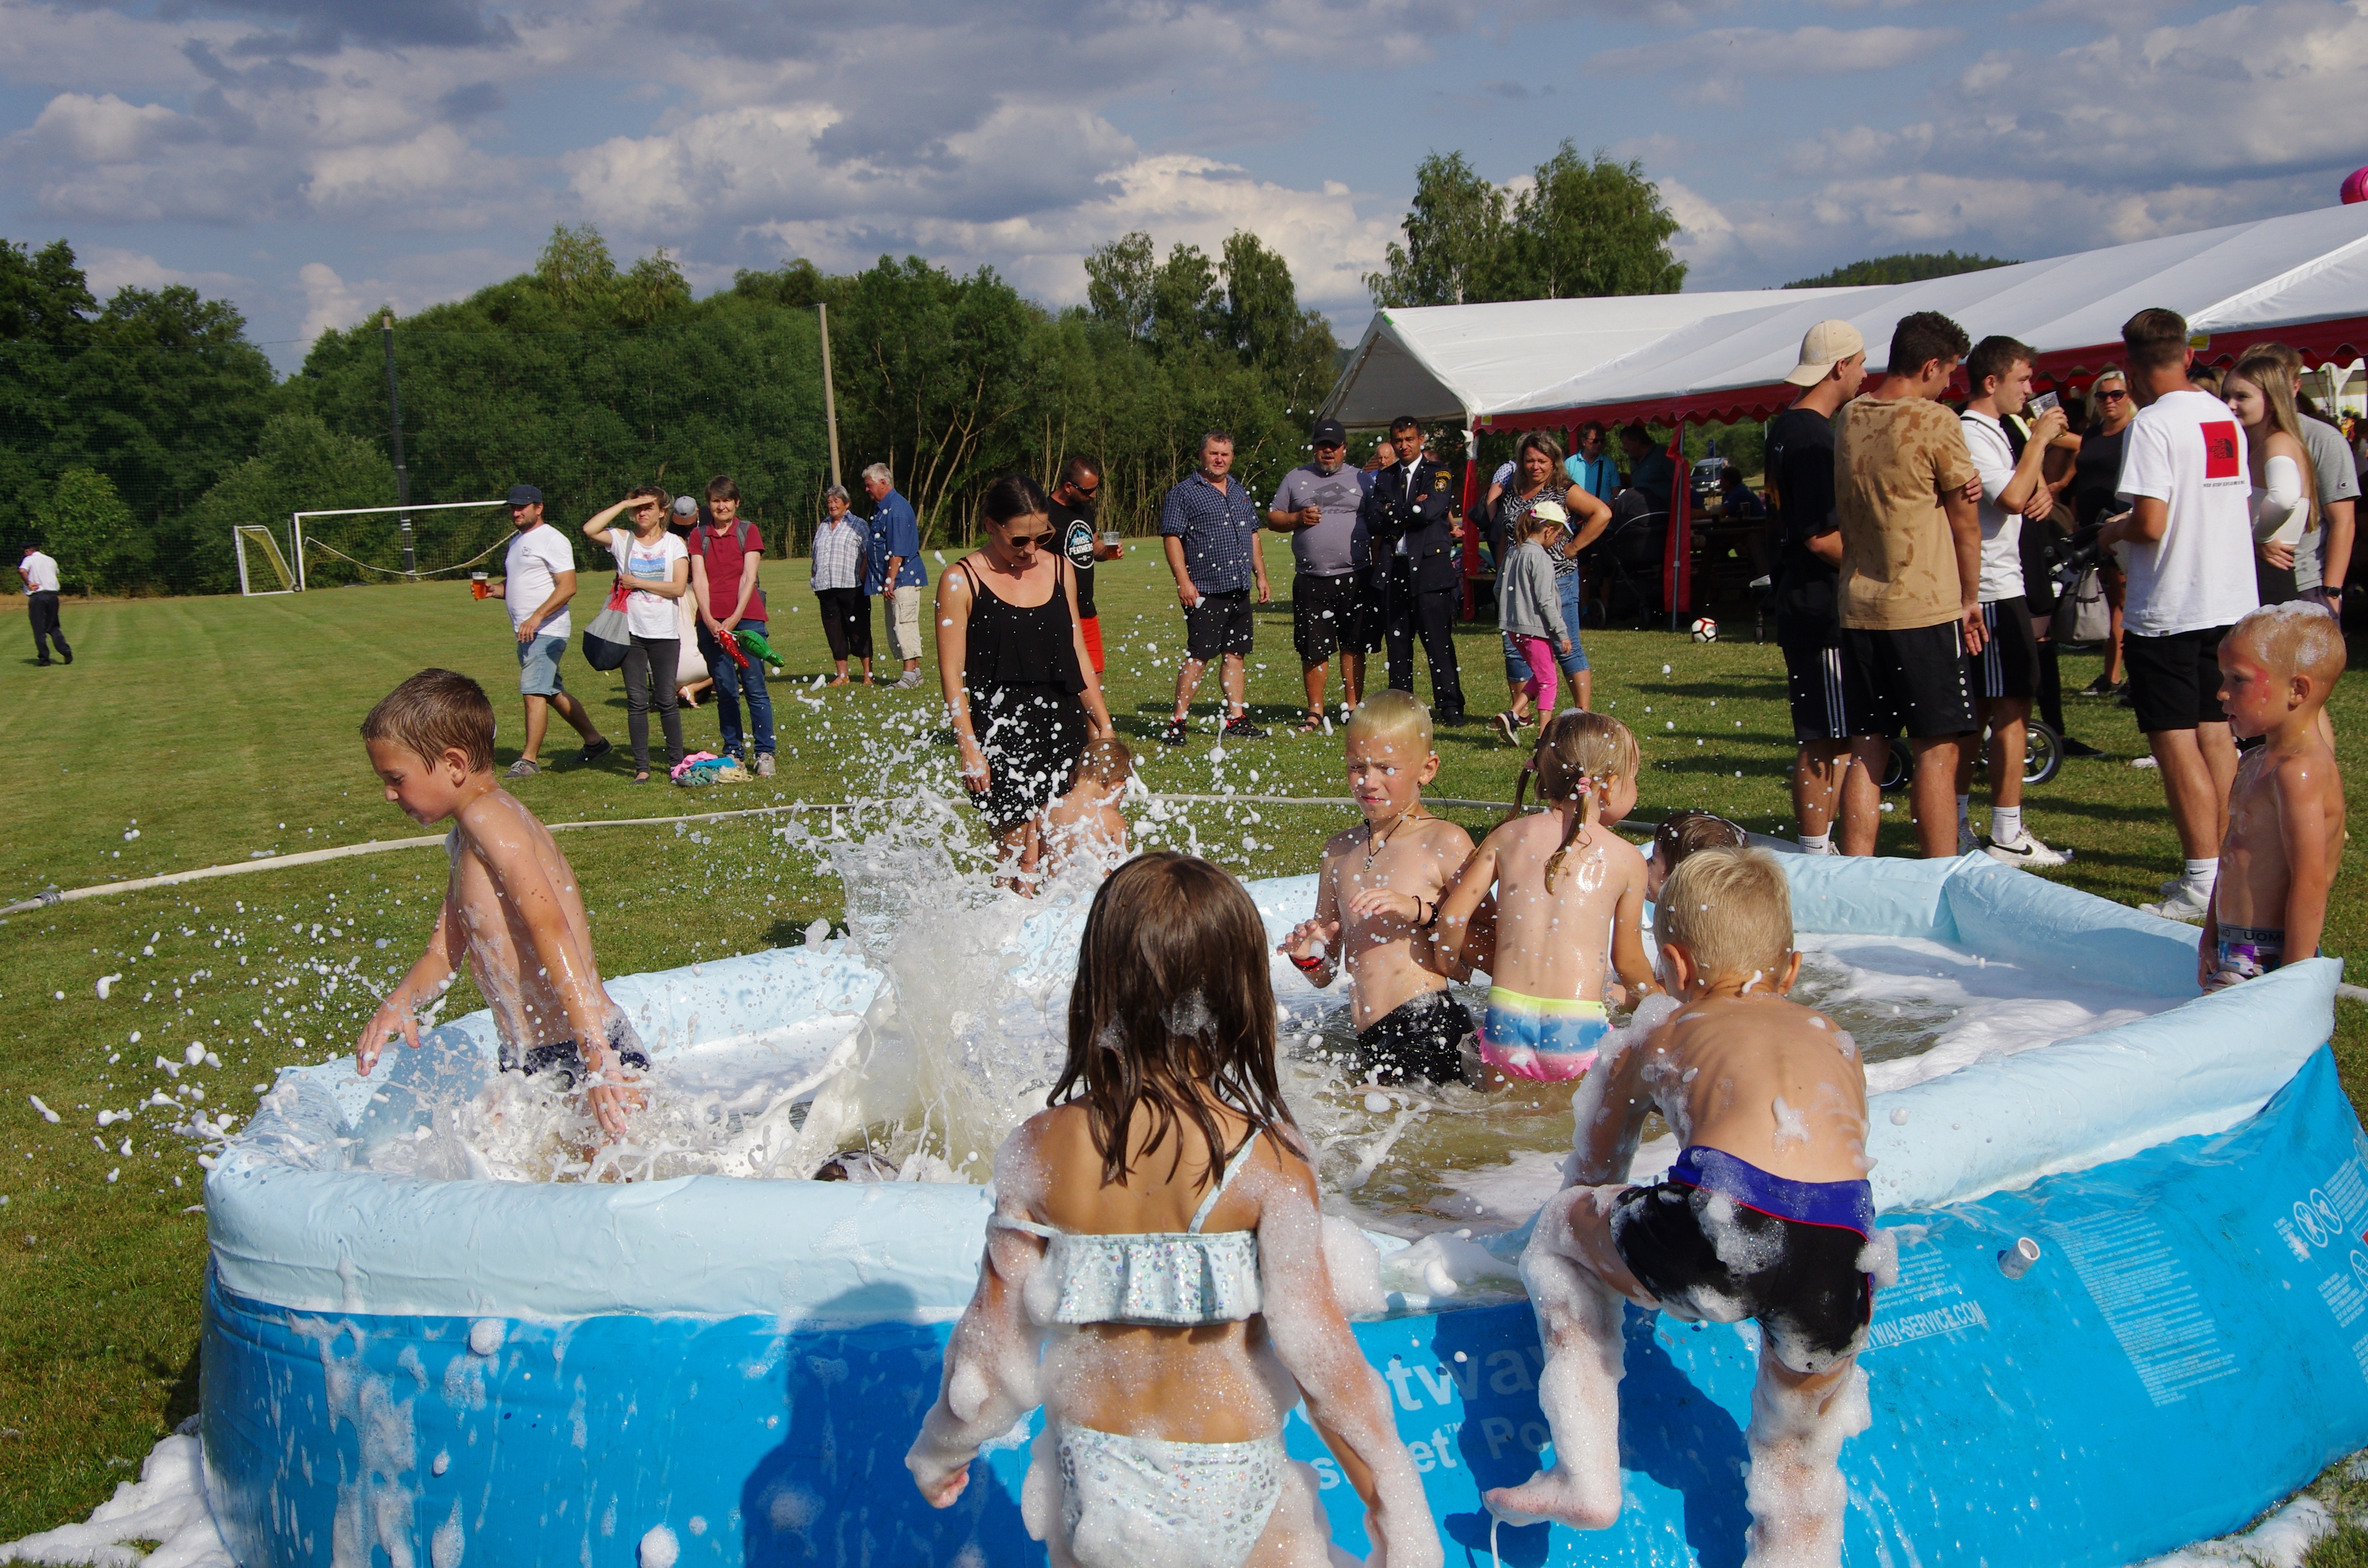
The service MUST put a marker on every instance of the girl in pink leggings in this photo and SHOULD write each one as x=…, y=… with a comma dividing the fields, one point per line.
x=1528, y=611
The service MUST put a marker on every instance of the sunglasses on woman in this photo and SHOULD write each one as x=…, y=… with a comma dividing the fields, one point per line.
x=2114, y=396
x=1031, y=541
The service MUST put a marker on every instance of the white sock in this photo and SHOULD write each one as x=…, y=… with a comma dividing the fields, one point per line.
x=2006, y=825
x=1817, y=843
x=1965, y=818
x=2202, y=874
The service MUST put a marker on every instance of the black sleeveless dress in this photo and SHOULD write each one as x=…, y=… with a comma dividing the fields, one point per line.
x=1024, y=682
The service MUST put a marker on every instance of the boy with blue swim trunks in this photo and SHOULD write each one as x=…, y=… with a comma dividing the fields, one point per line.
x=1569, y=900
x=1766, y=1215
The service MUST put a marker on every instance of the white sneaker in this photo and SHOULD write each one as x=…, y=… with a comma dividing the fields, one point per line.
x=2185, y=904
x=2026, y=850
x=2144, y=762
x=1968, y=844
x=1831, y=849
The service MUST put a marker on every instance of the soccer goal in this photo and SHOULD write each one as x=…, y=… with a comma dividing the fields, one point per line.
x=254, y=537
x=290, y=568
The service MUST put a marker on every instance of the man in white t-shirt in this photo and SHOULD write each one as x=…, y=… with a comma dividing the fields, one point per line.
x=2189, y=538
x=41, y=575
x=539, y=578
x=2006, y=671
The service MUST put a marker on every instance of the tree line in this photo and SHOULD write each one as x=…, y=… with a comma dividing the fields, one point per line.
x=137, y=434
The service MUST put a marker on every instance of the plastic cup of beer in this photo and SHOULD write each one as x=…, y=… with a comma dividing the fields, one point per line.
x=1111, y=538
x=476, y=585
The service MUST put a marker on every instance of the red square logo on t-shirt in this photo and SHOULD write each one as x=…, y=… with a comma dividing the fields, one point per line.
x=2219, y=448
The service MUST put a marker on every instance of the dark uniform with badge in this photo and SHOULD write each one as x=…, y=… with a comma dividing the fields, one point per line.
x=1406, y=517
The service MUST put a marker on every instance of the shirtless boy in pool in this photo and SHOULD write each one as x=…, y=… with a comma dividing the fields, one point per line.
x=1378, y=900
x=2278, y=667
x=511, y=908
x=1767, y=1214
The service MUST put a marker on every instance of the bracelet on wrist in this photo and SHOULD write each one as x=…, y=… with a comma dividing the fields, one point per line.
x=1307, y=965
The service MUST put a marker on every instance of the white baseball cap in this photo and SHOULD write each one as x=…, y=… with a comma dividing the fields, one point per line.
x=1825, y=345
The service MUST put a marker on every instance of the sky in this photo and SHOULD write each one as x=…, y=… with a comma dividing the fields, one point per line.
x=314, y=159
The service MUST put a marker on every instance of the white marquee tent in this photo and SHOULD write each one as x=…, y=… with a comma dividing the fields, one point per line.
x=1550, y=363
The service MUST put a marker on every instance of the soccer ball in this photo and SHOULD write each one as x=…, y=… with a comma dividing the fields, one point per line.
x=1705, y=629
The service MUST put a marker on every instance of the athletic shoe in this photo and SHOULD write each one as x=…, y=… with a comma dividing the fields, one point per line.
x=2073, y=748
x=2101, y=687
x=596, y=750
x=2025, y=851
x=1831, y=849
x=1176, y=734
x=524, y=768
x=2145, y=761
x=1509, y=726
x=908, y=680
x=764, y=764
x=2184, y=903
x=1967, y=842
x=1241, y=728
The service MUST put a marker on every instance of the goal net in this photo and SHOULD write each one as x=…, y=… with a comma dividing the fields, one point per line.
x=359, y=532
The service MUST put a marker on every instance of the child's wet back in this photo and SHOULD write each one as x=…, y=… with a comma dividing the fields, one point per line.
x=1569, y=902
x=1155, y=1272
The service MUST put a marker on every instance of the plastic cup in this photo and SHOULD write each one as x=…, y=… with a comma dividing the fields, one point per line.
x=476, y=585
x=1110, y=537
x=2016, y=1261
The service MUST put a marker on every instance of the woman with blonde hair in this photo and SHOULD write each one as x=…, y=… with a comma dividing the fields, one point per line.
x=2285, y=492
x=1539, y=476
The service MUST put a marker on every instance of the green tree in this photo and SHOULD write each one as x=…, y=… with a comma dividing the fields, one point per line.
x=86, y=526
x=1909, y=266
x=1455, y=238
x=43, y=297
x=1590, y=227
x=1119, y=278
x=652, y=288
x=575, y=268
x=1188, y=306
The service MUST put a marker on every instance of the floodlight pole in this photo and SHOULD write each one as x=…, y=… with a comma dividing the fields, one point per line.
x=395, y=417
x=830, y=399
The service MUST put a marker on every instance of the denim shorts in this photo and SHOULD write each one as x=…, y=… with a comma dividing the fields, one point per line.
x=538, y=666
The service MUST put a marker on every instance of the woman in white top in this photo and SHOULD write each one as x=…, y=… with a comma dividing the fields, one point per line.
x=659, y=567
x=2285, y=496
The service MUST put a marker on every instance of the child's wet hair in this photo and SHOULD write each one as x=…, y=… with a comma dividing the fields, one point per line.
x=1172, y=1004
x=433, y=713
x=1683, y=834
x=1577, y=758
x=1105, y=761
x=1392, y=715
x=2297, y=638
x=1731, y=912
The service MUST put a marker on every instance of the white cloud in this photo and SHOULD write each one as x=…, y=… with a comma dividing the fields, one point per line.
x=109, y=267
x=1728, y=52
x=106, y=129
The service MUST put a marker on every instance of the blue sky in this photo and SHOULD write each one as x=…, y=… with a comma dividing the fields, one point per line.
x=311, y=159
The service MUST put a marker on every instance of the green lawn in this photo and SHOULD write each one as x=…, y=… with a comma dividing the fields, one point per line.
x=223, y=727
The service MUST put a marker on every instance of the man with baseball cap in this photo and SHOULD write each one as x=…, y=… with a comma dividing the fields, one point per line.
x=1833, y=721
x=1317, y=505
x=539, y=578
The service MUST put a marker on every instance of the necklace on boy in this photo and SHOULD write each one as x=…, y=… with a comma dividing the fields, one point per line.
x=1376, y=843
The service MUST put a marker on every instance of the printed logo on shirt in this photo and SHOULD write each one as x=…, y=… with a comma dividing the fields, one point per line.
x=2220, y=460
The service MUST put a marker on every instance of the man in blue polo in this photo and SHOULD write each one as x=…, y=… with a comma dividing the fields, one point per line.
x=1589, y=464
x=1210, y=525
x=892, y=570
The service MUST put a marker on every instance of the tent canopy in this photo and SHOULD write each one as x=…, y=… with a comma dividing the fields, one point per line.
x=1720, y=356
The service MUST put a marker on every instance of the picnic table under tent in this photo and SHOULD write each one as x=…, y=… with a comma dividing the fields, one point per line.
x=1722, y=356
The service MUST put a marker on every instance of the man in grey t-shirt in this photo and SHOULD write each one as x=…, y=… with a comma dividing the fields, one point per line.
x=1317, y=505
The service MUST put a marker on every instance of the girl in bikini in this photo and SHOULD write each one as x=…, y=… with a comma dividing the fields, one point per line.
x=1154, y=1274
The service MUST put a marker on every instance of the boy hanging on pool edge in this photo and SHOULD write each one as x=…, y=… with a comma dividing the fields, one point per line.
x=1767, y=1215
x=512, y=909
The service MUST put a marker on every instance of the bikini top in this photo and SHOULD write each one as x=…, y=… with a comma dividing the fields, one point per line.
x=1163, y=1278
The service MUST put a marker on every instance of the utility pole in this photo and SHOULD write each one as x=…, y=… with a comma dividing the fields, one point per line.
x=829, y=398
x=395, y=417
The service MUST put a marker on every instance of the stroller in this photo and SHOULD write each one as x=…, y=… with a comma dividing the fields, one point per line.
x=1626, y=561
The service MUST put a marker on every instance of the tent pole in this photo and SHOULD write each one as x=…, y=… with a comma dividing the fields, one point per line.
x=1471, y=528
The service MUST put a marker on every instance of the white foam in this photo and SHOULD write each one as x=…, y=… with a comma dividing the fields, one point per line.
x=167, y=1505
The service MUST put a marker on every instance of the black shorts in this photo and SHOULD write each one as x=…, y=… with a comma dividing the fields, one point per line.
x=1327, y=614
x=1801, y=1282
x=1829, y=700
x=2008, y=666
x=1422, y=1038
x=1219, y=624
x=565, y=1061
x=1917, y=682
x=2175, y=678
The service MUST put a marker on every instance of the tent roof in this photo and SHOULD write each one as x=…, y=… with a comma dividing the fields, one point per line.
x=1723, y=355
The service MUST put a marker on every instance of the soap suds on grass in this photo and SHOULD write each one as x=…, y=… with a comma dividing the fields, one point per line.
x=166, y=1505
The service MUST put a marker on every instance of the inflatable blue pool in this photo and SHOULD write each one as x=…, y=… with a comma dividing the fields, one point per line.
x=710, y=1369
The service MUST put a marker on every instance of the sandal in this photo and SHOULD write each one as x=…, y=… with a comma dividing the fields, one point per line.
x=1313, y=724
x=643, y=776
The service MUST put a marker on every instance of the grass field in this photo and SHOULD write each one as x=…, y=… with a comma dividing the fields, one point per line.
x=220, y=729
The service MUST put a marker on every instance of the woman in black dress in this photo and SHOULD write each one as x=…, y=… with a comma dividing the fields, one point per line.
x=1018, y=681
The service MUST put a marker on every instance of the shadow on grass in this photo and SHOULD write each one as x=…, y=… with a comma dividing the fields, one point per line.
x=181, y=1401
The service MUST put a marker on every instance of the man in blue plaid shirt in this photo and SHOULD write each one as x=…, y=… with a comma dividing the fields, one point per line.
x=1210, y=525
